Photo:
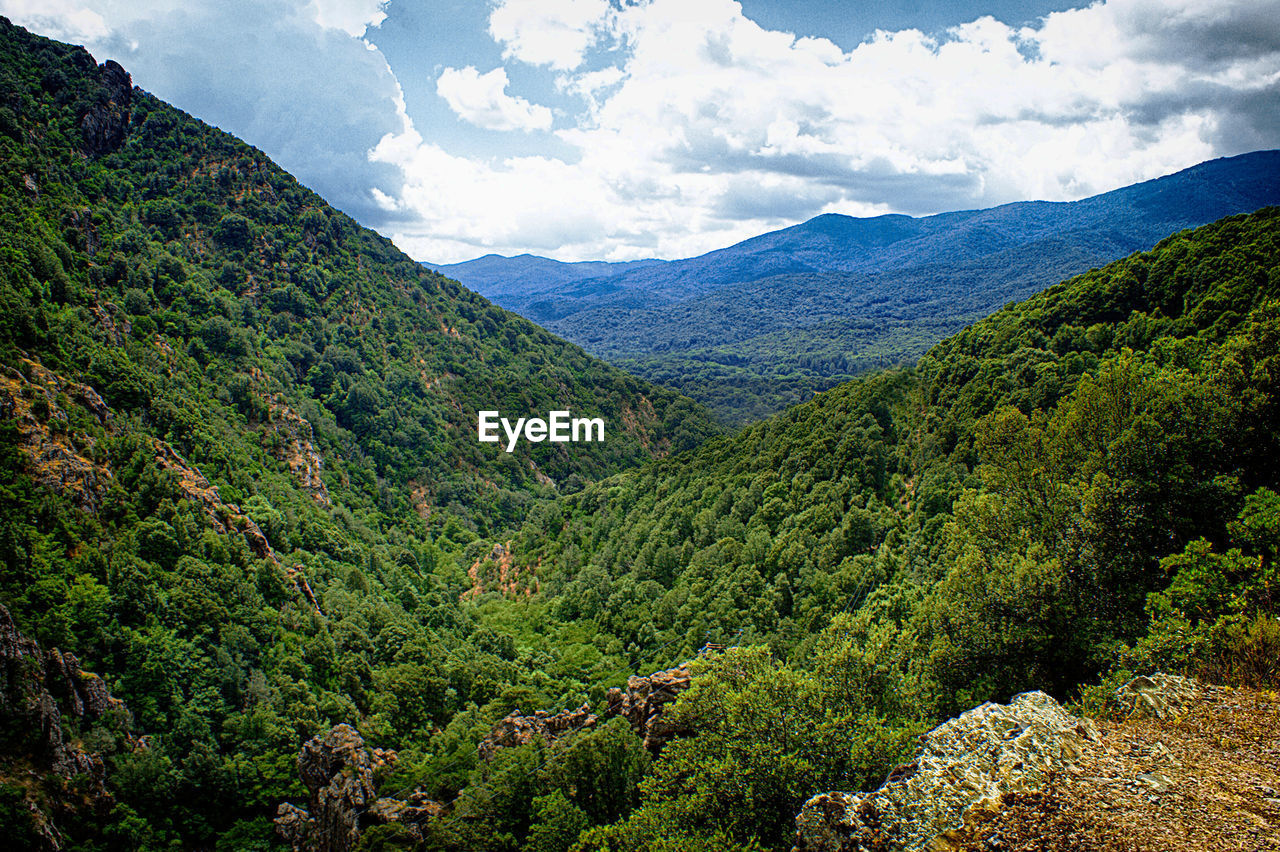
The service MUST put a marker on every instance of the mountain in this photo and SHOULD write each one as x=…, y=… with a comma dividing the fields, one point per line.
x=241, y=475
x=753, y=327
x=1082, y=485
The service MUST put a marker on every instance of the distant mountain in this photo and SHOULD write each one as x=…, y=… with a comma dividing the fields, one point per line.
x=754, y=327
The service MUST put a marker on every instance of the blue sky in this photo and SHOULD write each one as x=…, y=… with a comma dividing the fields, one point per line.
x=619, y=129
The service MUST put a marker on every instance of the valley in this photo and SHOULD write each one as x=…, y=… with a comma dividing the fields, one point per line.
x=263, y=587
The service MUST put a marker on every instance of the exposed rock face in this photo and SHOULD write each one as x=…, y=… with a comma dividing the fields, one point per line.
x=337, y=771
x=30, y=399
x=517, y=729
x=37, y=688
x=498, y=572
x=1159, y=696
x=963, y=767
x=106, y=123
x=1203, y=778
x=223, y=517
x=643, y=700
x=299, y=451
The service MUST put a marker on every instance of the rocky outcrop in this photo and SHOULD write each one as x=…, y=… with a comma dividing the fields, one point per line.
x=1201, y=778
x=297, y=449
x=59, y=459
x=963, y=767
x=1159, y=696
x=643, y=701
x=105, y=124
x=338, y=772
x=498, y=572
x=517, y=728
x=223, y=517
x=38, y=688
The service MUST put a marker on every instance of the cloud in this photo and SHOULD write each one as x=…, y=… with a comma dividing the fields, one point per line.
x=482, y=100
x=353, y=17
x=708, y=127
x=556, y=33
x=682, y=125
x=65, y=20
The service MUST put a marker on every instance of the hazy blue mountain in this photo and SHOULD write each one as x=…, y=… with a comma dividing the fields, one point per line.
x=753, y=327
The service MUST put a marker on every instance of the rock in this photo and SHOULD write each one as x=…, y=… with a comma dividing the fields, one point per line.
x=642, y=703
x=105, y=124
x=56, y=459
x=294, y=825
x=963, y=766
x=517, y=728
x=225, y=518
x=1157, y=781
x=338, y=771
x=38, y=689
x=297, y=449
x=1159, y=696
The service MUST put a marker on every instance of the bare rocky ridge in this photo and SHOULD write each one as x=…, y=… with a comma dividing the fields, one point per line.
x=1202, y=778
x=1183, y=767
x=963, y=766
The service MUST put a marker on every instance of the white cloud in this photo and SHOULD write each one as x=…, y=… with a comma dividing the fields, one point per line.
x=482, y=100
x=65, y=20
x=697, y=126
x=556, y=33
x=351, y=16
x=711, y=127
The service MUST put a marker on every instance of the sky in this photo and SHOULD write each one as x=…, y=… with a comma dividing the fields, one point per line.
x=623, y=129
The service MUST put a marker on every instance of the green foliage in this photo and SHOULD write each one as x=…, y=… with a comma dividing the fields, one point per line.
x=1085, y=482
x=767, y=737
x=239, y=331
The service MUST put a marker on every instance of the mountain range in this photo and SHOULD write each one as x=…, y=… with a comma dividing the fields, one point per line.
x=750, y=328
x=263, y=588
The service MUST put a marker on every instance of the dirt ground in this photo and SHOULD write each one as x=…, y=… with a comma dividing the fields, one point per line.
x=1208, y=779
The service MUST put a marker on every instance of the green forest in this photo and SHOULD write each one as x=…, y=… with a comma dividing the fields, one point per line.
x=240, y=483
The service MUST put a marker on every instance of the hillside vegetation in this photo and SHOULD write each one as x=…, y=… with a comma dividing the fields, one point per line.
x=238, y=441
x=239, y=482
x=1082, y=484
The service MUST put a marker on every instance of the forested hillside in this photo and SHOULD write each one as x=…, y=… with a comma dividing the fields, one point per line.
x=1082, y=484
x=242, y=506
x=240, y=469
x=752, y=328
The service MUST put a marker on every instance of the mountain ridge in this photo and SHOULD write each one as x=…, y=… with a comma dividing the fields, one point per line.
x=685, y=322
